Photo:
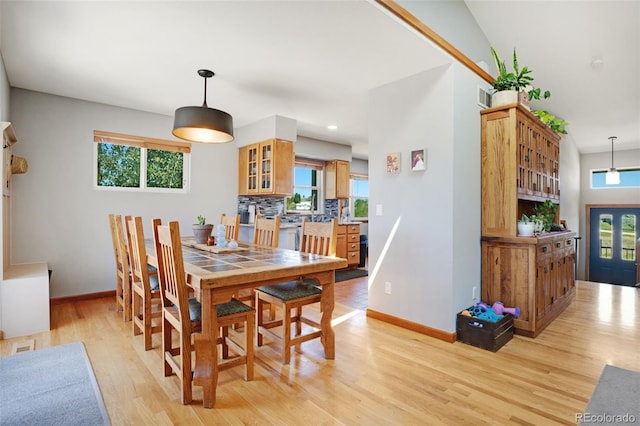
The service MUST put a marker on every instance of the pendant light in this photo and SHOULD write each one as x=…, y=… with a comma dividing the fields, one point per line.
x=613, y=176
x=201, y=123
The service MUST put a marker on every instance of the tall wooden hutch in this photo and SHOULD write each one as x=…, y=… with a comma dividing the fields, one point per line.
x=520, y=168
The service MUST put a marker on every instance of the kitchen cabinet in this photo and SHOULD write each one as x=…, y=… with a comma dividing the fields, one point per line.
x=520, y=169
x=266, y=168
x=336, y=179
x=348, y=244
x=533, y=274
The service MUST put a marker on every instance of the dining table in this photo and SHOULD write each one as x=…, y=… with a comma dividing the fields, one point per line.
x=216, y=274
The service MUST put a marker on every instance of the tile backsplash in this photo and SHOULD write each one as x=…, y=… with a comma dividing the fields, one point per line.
x=271, y=206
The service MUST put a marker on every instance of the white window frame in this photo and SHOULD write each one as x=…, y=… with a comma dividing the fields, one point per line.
x=144, y=143
x=319, y=167
x=352, y=198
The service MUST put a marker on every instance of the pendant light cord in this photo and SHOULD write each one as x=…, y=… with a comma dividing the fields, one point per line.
x=612, y=139
x=204, y=104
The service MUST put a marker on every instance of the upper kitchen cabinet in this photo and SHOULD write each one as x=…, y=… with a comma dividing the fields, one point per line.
x=336, y=179
x=266, y=168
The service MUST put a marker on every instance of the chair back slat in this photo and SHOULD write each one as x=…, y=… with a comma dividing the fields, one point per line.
x=319, y=238
x=139, y=268
x=122, y=252
x=266, y=232
x=231, y=225
x=171, y=272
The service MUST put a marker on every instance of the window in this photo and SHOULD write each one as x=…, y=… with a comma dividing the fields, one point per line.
x=307, y=186
x=359, y=196
x=629, y=178
x=136, y=163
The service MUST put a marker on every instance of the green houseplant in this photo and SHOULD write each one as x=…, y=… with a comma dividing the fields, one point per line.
x=547, y=212
x=514, y=86
x=202, y=230
x=556, y=124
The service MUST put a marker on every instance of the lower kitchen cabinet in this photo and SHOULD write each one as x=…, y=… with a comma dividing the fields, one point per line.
x=348, y=245
x=533, y=274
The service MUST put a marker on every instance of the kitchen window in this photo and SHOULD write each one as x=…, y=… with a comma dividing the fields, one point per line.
x=135, y=163
x=359, y=196
x=307, y=187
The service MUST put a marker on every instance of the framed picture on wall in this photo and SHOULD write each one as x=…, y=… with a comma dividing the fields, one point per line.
x=418, y=161
x=393, y=162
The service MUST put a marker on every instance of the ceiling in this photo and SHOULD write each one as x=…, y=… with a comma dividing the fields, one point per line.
x=314, y=61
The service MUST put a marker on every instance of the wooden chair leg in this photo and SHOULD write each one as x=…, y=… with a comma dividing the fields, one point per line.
x=148, y=332
x=286, y=324
x=166, y=346
x=248, y=347
x=260, y=320
x=185, y=368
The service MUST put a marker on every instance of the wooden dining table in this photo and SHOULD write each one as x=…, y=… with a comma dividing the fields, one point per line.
x=217, y=274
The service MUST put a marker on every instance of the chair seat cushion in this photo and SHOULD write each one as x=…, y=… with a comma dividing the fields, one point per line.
x=232, y=307
x=195, y=309
x=153, y=282
x=222, y=310
x=291, y=290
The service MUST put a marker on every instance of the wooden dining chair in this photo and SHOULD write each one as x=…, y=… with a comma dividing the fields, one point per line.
x=315, y=238
x=145, y=287
x=183, y=314
x=123, y=275
x=265, y=234
x=231, y=225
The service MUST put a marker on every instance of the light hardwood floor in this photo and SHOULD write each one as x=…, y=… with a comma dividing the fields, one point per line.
x=381, y=375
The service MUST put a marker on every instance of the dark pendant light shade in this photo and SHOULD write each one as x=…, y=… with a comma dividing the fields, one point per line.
x=203, y=124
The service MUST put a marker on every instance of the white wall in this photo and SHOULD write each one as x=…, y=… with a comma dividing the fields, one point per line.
x=321, y=150
x=452, y=20
x=415, y=244
x=57, y=215
x=4, y=92
x=467, y=191
x=570, y=183
x=609, y=195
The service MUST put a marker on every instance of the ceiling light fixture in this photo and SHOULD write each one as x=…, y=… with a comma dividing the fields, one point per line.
x=203, y=124
x=613, y=176
x=332, y=127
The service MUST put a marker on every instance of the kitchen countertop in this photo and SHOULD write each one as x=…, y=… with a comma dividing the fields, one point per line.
x=282, y=225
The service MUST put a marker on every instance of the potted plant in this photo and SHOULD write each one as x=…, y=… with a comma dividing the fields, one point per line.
x=547, y=212
x=555, y=123
x=525, y=226
x=516, y=86
x=202, y=230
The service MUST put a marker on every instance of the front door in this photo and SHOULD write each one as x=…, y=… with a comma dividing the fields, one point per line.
x=613, y=232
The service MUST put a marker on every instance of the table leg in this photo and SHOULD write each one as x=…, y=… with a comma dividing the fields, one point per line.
x=327, y=302
x=206, y=370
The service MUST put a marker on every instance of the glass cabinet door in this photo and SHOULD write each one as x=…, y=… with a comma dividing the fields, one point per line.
x=252, y=170
x=266, y=161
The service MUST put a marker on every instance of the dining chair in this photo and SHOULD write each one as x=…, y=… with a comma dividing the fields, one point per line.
x=315, y=238
x=265, y=234
x=183, y=314
x=231, y=225
x=145, y=287
x=123, y=274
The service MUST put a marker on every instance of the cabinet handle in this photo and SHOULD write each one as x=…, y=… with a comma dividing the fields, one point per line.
x=558, y=245
x=496, y=260
x=544, y=249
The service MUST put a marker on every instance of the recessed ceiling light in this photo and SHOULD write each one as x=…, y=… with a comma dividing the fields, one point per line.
x=332, y=127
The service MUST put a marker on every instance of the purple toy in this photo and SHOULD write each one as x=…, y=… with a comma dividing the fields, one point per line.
x=499, y=309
